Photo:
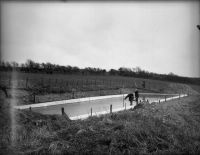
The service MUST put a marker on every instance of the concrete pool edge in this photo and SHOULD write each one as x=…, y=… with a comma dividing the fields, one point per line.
x=85, y=116
x=37, y=105
x=45, y=104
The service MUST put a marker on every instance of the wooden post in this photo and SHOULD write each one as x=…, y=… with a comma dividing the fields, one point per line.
x=62, y=110
x=159, y=101
x=34, y=97
x=111, y=108
x=123, y=100
x=91, y=111
x=29, y=108
x=143, y=84
x=165, y=98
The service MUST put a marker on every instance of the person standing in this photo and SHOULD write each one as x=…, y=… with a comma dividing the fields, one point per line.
x=136, y=96
x=131, y=98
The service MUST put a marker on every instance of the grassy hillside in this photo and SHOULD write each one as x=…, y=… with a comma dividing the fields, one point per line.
x=28, y=88
x=168, y=128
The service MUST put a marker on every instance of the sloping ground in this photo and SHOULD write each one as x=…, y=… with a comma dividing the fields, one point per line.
x=29, y=88
x=23, y=97
x=168, y=128
x=5, y=127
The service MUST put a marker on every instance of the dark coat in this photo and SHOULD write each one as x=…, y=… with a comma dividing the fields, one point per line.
x=130, y=97
x=136, y=94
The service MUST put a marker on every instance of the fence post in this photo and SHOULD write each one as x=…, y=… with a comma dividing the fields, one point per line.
x=143, y=84
x=29, y=108
x=123, y=99
x=73, y=93
x=34, y=97
x=91, y=111
x=165, y=98
x=111, y=108
x=179, y=96
x=62, y=110
x=159, y=101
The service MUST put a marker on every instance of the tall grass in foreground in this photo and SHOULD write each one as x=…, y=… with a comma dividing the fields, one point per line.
x=120, y=133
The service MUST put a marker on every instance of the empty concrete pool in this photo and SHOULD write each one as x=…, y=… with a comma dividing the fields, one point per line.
x=83, y=106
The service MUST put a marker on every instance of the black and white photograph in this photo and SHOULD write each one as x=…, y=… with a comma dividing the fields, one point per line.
x=100, y=77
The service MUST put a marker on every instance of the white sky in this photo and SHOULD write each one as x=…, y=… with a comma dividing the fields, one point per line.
x=159, y=37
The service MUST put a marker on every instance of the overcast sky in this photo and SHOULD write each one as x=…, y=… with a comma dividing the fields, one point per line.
x=159, y=37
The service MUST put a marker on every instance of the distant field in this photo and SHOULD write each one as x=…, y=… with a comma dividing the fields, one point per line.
x=68, y=82
x=37, y=87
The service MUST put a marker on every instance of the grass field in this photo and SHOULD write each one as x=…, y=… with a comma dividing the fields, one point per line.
x=35, y=88
x=168, y=128
x=64, y=83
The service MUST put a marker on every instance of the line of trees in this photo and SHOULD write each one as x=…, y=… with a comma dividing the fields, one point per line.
x=33, y=67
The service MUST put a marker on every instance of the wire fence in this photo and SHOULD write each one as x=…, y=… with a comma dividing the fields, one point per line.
x=43, y=88
x=93, y=106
